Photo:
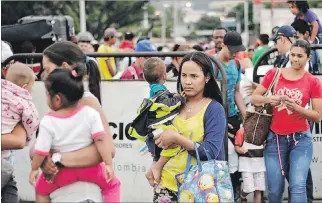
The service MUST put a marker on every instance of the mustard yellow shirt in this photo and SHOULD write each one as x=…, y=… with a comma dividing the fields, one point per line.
x=192, y=128
x=105, y=73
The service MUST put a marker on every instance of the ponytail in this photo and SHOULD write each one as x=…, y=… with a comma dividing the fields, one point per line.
x=68, y=52
x=78, y=73
x=94, y=78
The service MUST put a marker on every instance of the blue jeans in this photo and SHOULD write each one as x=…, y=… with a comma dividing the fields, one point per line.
x=319, y=36
x=291, y=154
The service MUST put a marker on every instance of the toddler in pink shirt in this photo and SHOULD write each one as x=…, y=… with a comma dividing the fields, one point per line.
x=16, y=102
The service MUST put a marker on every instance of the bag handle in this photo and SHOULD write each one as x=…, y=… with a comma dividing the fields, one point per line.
x=274, y=81
x=189, y=161
x=207, y=154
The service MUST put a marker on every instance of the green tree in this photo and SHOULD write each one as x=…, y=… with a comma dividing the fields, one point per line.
x=99, y=14
x=208, y=23
x=315, y=4
x=280, y=5
x=238, y=13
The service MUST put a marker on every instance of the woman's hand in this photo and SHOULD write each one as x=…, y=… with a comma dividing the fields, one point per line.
x=291, y=105
x=166, y=139
x=48, y=166
x=274, y=100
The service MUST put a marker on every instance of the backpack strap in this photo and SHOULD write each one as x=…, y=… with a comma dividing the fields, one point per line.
x=133, y=72
x=284, y=62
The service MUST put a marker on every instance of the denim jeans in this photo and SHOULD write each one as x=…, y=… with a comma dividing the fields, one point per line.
x=309, y=188
x=9, y=193
x=291, y=155
x=319, y=36
x=314, y=62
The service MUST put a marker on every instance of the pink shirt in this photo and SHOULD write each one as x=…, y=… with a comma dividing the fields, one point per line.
x=133, y=73
x=17, y=106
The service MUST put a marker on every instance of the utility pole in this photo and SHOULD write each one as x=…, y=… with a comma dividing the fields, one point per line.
x=175, y=19
x=82, y=15
x=145, y=17
x=246, y=30
x=272, y=13
x=163, y=25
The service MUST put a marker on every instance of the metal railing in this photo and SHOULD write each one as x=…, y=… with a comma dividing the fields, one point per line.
x=269, y=57
x=223, y=82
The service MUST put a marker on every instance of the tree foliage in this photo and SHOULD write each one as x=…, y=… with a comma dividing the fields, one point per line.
x=208, y=23
x=238, y=13
x=99, y=14
x=313, y=4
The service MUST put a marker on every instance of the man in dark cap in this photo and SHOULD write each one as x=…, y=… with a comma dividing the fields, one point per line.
x=232, y=44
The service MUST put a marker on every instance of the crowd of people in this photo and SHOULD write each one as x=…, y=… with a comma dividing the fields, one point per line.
x=74, y=147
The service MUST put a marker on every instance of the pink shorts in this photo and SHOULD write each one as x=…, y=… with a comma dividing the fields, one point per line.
x=67, y=176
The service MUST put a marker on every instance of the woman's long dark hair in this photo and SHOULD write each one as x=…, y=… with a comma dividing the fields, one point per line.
x=212, y=89
x=70, y=53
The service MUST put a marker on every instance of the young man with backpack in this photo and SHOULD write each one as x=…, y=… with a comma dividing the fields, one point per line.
x=232, y=44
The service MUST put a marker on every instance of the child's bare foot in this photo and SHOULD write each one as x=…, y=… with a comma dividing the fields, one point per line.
x=156, y=172
x=149, y=176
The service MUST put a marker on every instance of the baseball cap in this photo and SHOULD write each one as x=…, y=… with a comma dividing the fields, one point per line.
x=109, y=32
x=84, y=37
x=144, y=46
x=142, y=38
x=129, y=35
x=234, y=41
x=286, y=31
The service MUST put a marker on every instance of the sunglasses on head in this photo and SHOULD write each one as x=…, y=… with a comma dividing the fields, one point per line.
x=281, y=37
